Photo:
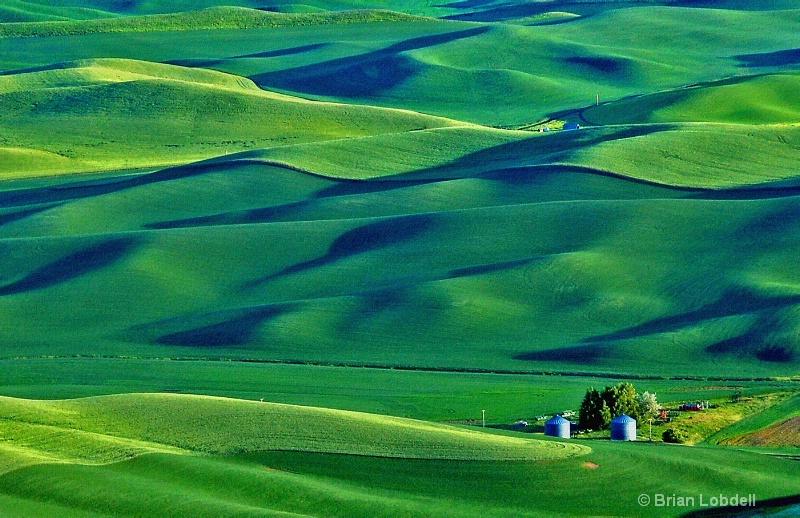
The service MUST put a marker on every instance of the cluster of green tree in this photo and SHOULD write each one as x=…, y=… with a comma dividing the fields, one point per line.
x=598, y=408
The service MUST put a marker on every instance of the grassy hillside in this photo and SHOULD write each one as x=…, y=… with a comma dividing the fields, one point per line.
x=112, y=428
x=707, y=156
x=120, y=114
x=353, y=213
x=207, y=19
x=496, y=74
x=603, y=271
x=18, y=11
x=773, y=427
x=509, y=74
x=767, y=99
x=432, y=396
x=341, y=485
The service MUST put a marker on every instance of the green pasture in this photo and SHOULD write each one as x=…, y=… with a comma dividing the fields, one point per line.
x=183, y=115
x=340, y=485
x=431, y=396
x=111, y=428
x=216, y=456
x=521, y=269
x=207, y=19
x=760, y=99
x=497, y=74
x=274, y=259
x=19, y=11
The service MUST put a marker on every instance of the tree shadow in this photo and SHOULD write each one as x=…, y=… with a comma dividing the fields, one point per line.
x=365, y=75
x=72, y=266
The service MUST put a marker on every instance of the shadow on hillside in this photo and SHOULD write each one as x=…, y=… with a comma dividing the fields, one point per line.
x=236, y=331
x=538, y=150
x=783, y=220
x=274, y=213
x=762, y=192
x=366, y=75
x=484, y=12
x=11, y=217
x=761, y=508
x=285, y=211
x=72, y=266
x=733, y=302
x=781, y=58
x=757, y=342
x=589, y=354
x=363, y=239
x=601, y=68
x=210, y=63
x=92, y=187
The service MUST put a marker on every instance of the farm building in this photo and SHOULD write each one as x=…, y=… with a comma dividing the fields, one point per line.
x=623, y=428
x=557, y=426
x=694, y=407
x=571, y=126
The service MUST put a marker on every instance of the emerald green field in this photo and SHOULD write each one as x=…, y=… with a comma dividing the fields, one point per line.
x=275, y=259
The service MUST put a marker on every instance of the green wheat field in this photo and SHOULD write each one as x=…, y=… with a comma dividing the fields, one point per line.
x=317, y=259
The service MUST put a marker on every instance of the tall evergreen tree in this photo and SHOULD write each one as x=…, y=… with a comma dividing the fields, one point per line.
x=589, y=416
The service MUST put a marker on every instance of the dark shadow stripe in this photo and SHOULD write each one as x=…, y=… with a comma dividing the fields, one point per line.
x=72, y=266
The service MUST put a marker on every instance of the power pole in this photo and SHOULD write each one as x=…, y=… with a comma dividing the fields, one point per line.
x=483, y=418
x=597, y=100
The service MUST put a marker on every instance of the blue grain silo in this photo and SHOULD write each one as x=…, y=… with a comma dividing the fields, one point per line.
x=557, y=426
x=623, y=428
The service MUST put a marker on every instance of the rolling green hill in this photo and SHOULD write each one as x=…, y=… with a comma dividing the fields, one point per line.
x=361, y=216
x=19, y=11
x=121, y=114
x=215, y=456
x=767, y=99
x=207, y=19
x=498, y=74
x=278, y=483
x=111, y=428
x=520, y=269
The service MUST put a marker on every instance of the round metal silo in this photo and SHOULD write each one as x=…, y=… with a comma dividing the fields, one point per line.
x=557, y=426
x=623, y=428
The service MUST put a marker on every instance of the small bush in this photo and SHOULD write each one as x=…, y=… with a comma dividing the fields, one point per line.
x=674, y=436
